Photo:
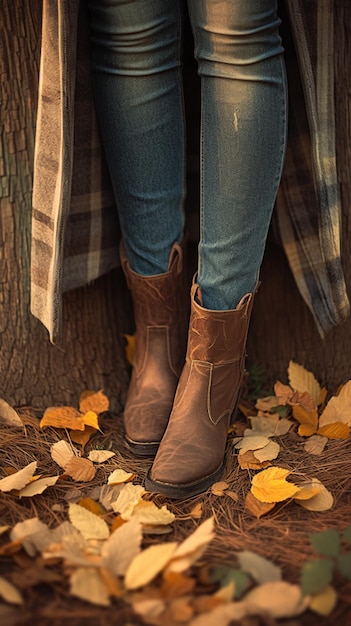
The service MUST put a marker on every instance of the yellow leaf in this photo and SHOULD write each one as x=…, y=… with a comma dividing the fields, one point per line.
x=95, y=401
x=91, y=505
x=324, y=602
x=305, y=430
x=19, y=479
x=130, y=348
x=80, y=469
x=62, y=452
x=301, y=379
x=192, y=548
x=148, y=564
x=256, y=507
x=91, y=419
x=127, y=499
x=100, y=456
x=9, y=593
x=90, y=526
x=270, y=485
x=37, y=487
x=147, y=512
x=338, y=408
x=62, y=417
x=336, y=430
x=86, y=583
x=322, y=501
x=119, y=476
x=308, y=492
x=306, y=417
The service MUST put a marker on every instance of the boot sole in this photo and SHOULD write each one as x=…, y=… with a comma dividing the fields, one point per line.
x=142, y=449
x=183, y=491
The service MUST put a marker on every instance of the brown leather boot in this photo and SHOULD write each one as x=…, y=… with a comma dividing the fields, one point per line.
x=191, y=455
x=161, y=314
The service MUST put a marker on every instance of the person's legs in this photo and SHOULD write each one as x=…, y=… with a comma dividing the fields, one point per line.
x=243, y=136
x=136, y=61
x=243, y=143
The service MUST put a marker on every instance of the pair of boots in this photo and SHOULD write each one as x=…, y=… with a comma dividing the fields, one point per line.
x=179, y=407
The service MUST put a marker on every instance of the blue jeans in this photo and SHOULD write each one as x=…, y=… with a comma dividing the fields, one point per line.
x=137, y=70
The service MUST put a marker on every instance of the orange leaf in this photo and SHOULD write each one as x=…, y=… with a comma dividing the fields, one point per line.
x=95, y=401
x=80, y=469
x=130, y=347
x=247, y=460
x=112, y=583
x=82, y=437
x=91, y=419
x=176, y=584
x=335, y=430
x=92, y=506
x=306, y=417
x=63, y=417
x=305, y=430
x=205, y=604
x=196, y=511
x=118, y=521
x=256, y=507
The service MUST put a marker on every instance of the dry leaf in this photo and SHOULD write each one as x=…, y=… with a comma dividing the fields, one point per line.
x=35, y=535
x=100, y=456
x=222, y=615
x=338, y=408
x=107, y=494
x=247, y=460
x=252, y=443
x=119, y=476
x=4, y=529
x=336, y=430
x=129, y=496
x=147, y=564
x=268, y=452
x=270, y=485
x=260, y=569
x=271, y=426
x=149, y=608
x=302, y=380
x=307, y=492
x=232, y=494
x=86, y=583
x=89, y=525
x=176, y=584
x=196, y=511
x=8, y=415
x=305, y=430
x=95, y=401
x=62, y=452
x=218, y=489
x=80, y=469
x=181, y=611
x=322, y=501
x=277, y=599
x=308, y=418
x=38, y=486
x=91, y=505
x=9, y=593
x=315, y=444
x=324, y=603
x=257, y=508
x=267, y=403
x=82, y=436
x=91, y=419
x=19, y=479
x=122, y=547
x=113, y=585
x=63, y=417
x=190, y=550
x=147, y=512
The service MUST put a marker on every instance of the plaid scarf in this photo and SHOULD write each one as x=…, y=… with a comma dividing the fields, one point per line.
x=75, y=229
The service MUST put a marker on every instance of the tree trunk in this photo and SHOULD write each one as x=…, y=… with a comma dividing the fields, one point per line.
x=34, y=372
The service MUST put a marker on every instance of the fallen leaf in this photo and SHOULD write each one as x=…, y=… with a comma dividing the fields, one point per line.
x=149, y=608
x=190, y=550
x=63, y=417
x=344, y=565
x=307, y=493
x=8, y=415
x=324, y=602
x=86, y=583
x=219, y=488
x=34, y=535
x=95, y=401
x=267, y=403
x=176, y=584
x=268, y=452
x=91, y=505
x=122, y=547
x=100, y=456
x=19, y=479
x=316, y=575
x=38, y=486
x=119, y=476
x=80, y=469
x=270, y=485
x=252, y=443
x=113, y=585
x=232, y=494
x=338, y=408
x=181, y=610
x=322, y=501
x=206, y=603
x=315, y=444
x=62, y=452
x=107, y=494
x=90, y=418
x=260, y=569
x=9, y=593
x=148, y=564
x=277, y=599
x=308, y=418
x=4, y=529
x=128, y=498
x=336, y=430
x=247, y=460
x=305, y=430
x=196, y=511
x=302, y=380
x=326, y=542
x=89, y=525
x=147, y=512
x=82, y=437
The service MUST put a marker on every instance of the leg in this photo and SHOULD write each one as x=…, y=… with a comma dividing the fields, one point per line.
x=136, y=50
x=243, y=142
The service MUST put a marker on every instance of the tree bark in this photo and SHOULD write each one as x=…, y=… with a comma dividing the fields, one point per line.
x=32, y=371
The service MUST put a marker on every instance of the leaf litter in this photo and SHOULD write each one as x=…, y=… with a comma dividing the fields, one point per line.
x=165, y=588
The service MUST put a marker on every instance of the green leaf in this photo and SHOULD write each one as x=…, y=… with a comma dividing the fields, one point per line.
x=326, y=543
x=282, y=410
x=316, y=575
x=226, y=575
x=347, y=534
x=344, y=565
